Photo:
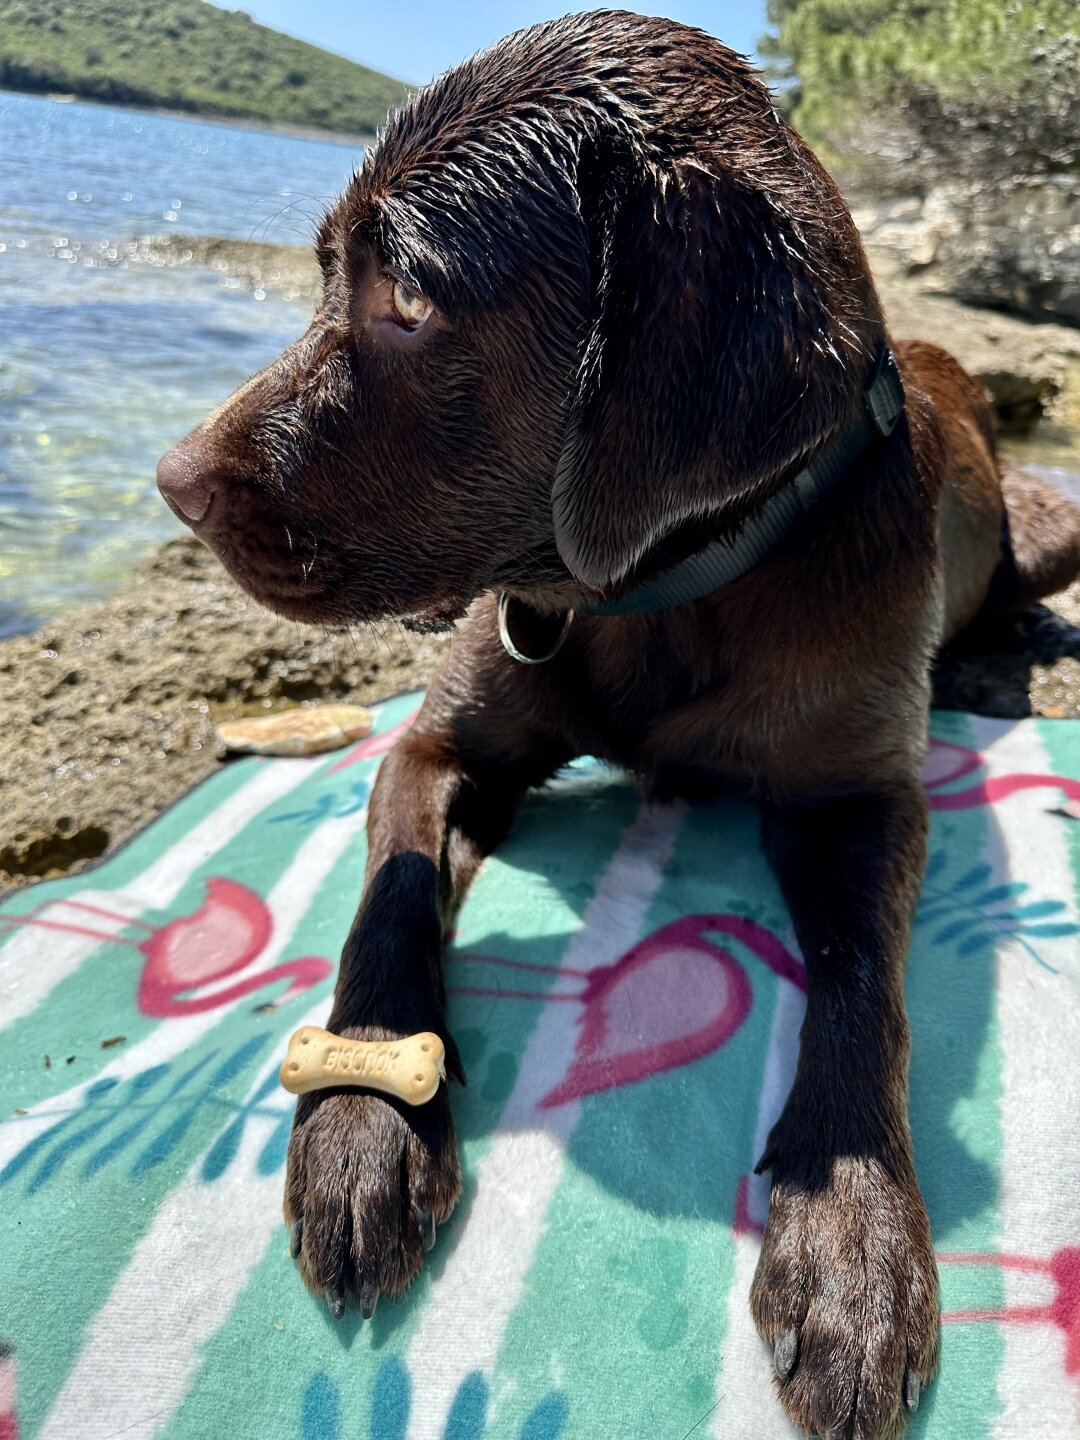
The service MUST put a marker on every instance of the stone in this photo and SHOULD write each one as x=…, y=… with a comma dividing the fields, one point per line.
x=1028, y=370
x=298, y=731
x=179, y=650
x=1013, y=246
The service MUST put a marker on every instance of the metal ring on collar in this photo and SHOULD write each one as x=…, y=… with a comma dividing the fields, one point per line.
x=512, y=650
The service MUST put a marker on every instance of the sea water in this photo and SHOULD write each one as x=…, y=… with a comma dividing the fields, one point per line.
x=104, y=363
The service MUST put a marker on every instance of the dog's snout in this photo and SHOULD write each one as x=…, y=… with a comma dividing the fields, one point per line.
x=188, y=478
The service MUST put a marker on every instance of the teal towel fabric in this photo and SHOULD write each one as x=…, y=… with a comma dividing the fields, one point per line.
x=626, y=992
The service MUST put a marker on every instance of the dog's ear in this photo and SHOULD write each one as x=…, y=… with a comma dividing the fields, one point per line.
x=708, y=331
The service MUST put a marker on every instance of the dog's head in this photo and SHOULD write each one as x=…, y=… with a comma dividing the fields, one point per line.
x=587, y=291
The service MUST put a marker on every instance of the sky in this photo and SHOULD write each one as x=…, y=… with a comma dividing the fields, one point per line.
x=416, y=39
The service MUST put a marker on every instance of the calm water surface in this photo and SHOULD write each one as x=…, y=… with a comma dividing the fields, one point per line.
x=103, y=365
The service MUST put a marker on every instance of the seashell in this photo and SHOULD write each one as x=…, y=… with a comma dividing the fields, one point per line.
x=296, y=732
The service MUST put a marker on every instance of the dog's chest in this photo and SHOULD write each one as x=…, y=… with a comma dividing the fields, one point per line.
x=698, y=747
x=662, y=714
x=737, y=716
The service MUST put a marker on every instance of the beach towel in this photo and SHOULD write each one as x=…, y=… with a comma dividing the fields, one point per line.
x=626, y=992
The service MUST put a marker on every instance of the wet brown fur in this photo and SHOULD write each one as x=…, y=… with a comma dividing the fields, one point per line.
x=653, y=308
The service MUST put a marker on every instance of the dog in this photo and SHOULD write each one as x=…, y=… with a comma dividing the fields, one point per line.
x=600, y=367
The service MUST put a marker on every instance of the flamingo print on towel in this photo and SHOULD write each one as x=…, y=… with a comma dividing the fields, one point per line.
x=196, y=952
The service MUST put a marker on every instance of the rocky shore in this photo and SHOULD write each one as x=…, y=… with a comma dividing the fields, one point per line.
x=1013, y=244
x=109, y=711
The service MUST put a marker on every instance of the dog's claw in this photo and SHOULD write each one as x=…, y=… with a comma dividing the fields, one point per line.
x=912, y=1391
x=767, y=1161
x=784, y=1353
x=369, y=1298
x=426, y=1221
x=335, y=1303
x=296, y=1238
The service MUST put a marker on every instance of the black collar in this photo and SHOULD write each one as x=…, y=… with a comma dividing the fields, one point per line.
x=726, y=560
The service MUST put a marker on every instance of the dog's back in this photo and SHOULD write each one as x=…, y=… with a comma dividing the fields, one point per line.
x=1007, y=537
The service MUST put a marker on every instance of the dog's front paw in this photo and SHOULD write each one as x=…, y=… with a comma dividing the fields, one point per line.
x=846, y=1293
x=368, y=1180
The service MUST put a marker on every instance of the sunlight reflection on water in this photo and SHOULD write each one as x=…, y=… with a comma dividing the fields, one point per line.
x=103, y=365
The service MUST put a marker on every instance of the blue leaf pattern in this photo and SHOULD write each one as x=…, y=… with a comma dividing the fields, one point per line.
x=976, y=876
x=975, y=922
x=123, y=1113
x=320, y=1409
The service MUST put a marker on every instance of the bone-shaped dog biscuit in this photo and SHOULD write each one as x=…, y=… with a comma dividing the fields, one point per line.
x=410, y=1068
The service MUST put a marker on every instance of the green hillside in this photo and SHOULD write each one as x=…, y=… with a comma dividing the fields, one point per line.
x=186, y=55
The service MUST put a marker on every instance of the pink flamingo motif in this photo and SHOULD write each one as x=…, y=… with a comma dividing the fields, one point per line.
x=635, y=1020
x=224, y=935
x=1063, y=1310
x=946, y=763
x=9, y=1417
x=673, y=998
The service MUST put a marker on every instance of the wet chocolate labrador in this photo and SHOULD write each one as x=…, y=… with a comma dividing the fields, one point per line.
x=598, y=336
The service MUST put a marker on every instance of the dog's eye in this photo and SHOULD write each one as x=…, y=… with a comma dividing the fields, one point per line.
x=413, y=309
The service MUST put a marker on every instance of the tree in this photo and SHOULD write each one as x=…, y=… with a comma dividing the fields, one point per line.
x=961, y=86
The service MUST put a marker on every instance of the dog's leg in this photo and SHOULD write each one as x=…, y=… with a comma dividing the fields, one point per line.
x=369, y=1177
x=1041, y=553
x=846, y=1288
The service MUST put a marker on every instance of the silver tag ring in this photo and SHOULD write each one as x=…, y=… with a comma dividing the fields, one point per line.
x=512, y=650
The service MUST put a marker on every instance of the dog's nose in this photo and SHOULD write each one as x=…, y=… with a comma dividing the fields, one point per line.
x=187, y=478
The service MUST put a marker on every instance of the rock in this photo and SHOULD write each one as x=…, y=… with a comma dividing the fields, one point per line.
x=1013, y=246
x=1018, y=249
x=1028, y=664
x=296, y=732
x=1029, y=370
x=291, y=271
x=110, y=711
